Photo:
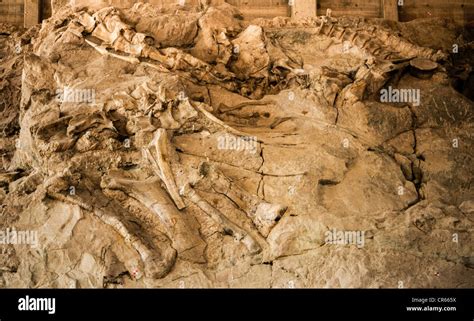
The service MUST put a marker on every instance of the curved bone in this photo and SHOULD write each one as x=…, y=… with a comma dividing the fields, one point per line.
x=159, y=160
x=154, y=265
x=153, y=197
x=219, y=122
x=82, y=122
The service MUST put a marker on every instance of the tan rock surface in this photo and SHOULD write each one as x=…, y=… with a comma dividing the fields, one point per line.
x=188, y=150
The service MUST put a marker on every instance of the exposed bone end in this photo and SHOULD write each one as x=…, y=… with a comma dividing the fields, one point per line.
x=87, y=21
x=251, y=244
x=109, y=182
x=157, y=267
x=154, y=54
x=423, y=68
x=188, y=191
x=267, y=215
x=423, y=64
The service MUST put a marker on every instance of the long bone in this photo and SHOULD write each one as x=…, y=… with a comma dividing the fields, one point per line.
x=159, y=161
x=227, y=225
x=153, y=197
x=103, y=51
x=199, y=107
x=155, y=266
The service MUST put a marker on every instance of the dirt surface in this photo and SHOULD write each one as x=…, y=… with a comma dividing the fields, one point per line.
x=150, y=147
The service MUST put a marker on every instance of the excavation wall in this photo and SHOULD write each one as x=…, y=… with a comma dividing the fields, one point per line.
x=11, y=11
x=23, y=12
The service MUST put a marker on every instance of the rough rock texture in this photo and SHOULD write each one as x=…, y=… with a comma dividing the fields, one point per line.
x=193, y=149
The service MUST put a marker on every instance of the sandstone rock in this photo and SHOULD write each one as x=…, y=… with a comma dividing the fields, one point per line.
x=180, y=146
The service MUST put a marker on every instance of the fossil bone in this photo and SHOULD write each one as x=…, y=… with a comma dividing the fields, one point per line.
x=103, y=51
x=155, y=266
x=227, y=225
x=82, y=122
x=214, y=119
x=153, y=197
x=263, y=214
x=158, y=155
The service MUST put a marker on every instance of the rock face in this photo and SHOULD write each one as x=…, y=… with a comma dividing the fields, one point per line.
x=153, y=148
